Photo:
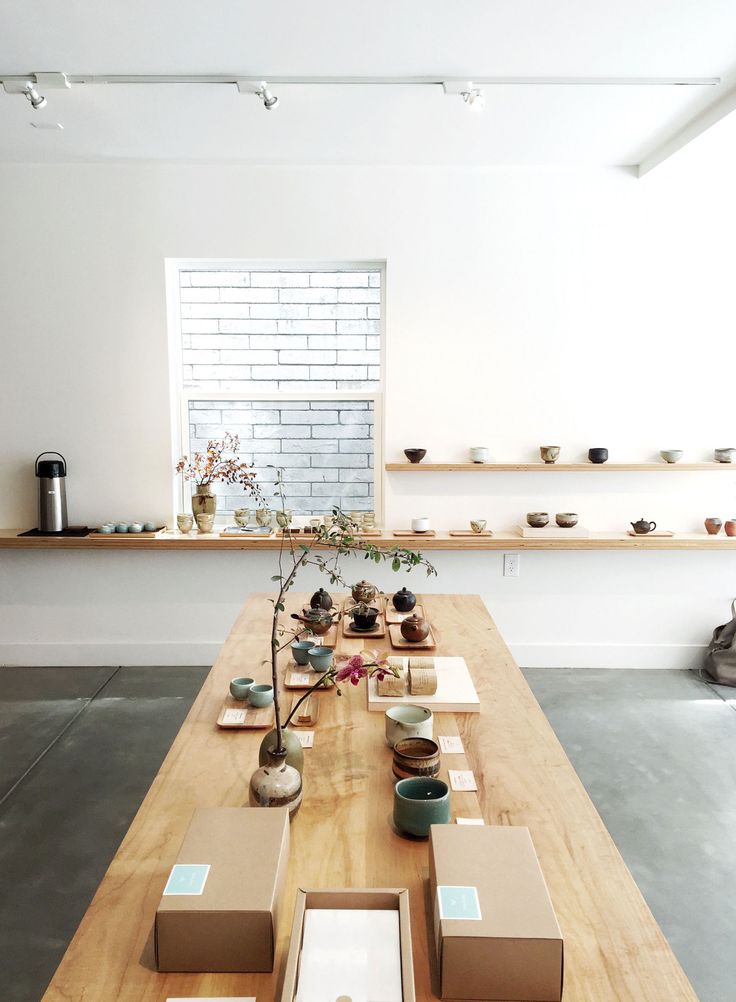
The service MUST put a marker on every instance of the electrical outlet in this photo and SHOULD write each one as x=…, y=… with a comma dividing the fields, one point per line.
x=511, y=565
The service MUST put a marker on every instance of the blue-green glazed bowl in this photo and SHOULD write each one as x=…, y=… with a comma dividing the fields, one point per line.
x=320, y=658
x=300, y=651
x=260, y=695
x=420, y=802
x=240, y=687
x=121, y=527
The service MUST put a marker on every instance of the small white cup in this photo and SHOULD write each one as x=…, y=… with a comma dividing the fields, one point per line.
x=420, y=524
x=479, y=454
x=407, y=721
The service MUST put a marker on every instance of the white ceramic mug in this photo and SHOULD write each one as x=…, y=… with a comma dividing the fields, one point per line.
x=479, y=454
x=420, y=524
x=407, y=721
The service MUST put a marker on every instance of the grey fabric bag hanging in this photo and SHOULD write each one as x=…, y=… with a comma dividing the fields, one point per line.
x=720, y=661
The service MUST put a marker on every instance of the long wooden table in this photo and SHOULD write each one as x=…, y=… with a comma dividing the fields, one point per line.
x=614, y=949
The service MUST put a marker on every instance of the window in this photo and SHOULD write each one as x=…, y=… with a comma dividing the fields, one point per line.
x=289, y=359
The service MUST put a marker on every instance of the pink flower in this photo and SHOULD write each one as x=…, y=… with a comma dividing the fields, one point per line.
x=353, y=670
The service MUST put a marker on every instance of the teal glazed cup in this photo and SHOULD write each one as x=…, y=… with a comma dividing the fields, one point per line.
x=300, y=651
x=320, y=658
x=260, y=695
x=240, y=687
x=420, y=802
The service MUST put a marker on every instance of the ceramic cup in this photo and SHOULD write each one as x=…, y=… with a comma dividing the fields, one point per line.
x=135, y=527
x=369, y=520
x=419, y=803
x=329, y=521
x=597, y=455
x=478, y=524
x=713, y=526
x=415, y=455
x=185, y=522
x=240, y=687
x=724, y=455
x=407, y=721
x=242, y=516
x=300, y=651
x=420, y=524
x=416, y=757
x=315, y=524
x=671, y=455
x=730, y=527
x=320, y=658
x=549, y=453
x=260, y=695
x=149, y=526
x=479, y=454
x=537, y=519
x=107, y=529
x=566, y=519
x=121, y=527
x=263, y=516
x=205, y=522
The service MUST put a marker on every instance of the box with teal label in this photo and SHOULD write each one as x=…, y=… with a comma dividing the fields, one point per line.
x=496, y=933
x=217, y=913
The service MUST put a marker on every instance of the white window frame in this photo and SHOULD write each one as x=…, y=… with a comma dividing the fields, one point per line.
x=180, y=397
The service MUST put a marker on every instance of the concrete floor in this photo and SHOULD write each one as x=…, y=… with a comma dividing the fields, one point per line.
x=80, y=747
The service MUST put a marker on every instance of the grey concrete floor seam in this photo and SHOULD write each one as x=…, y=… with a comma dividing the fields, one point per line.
x=85, y=702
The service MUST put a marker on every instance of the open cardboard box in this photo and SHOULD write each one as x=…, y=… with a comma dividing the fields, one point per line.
x=219, y=909
x=368, y=899
x=496, y=932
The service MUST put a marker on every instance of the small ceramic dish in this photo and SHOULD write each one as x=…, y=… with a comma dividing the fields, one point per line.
x=415, y=455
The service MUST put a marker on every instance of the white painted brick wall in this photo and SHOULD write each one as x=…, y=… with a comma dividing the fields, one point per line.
x=287, y=332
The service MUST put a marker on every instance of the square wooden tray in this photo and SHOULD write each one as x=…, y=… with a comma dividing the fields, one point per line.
x=468, y=533
x=256, y=717
x=314, y=711
x=303, y=683
x=428, y=644
x=378, y=631
x=410, y=533
x=328, y=640
x=392, y=616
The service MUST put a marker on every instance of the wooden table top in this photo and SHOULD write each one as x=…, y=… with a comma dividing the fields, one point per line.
x=614, y=949
x=442, y=540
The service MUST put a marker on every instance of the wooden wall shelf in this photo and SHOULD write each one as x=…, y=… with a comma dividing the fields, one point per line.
x=557, y=467
x=9, y=540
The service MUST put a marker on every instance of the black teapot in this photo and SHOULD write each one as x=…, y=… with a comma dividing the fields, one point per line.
x=321, y=600
x=642, y=527
x=404, y=600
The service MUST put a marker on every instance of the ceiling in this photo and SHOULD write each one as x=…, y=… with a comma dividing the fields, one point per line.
x=563, y=125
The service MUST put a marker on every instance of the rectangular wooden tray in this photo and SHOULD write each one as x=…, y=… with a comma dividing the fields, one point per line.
x=256, y=717
x=328, y=640
x=469, y=534
x=107, y=536
x=378, y=631
x=428, y=644
x=314, y=710
x=646, y=535
x=392, y=616
x=409, y=533
x=553, y=532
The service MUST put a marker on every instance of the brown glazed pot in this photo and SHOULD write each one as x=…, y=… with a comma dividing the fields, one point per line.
x=730, y=527
x=416, y=757
x=404, y=600
x=415, y=629
x=321, y=600
x=364, y=591
x=713, y=526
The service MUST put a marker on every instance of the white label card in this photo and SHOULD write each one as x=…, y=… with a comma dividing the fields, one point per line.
x=451, y=744
x=301, y=678
x=233, y=716
x=305, y=738
x=212, y=998
x=462, y=780
x=470, y=821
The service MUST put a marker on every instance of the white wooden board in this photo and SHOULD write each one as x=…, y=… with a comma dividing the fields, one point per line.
x=455, y=690
x=553, y=531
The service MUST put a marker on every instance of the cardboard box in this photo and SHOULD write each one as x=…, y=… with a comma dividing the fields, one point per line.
x=219, y=909
x=496, y=933
x=374, y=899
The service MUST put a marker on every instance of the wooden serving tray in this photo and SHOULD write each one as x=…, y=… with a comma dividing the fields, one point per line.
x=328, y=640
x=313, y=708
x=256, y=717
x=407, y=533
x=469, y=533
x=647, y=535
x=300, y=677
x=379, y=602
x=428, y=644
x=392, y=616
x=150, y=534
x=378, y=631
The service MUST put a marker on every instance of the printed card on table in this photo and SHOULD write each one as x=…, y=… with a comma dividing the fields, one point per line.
x=187, y=878
x=451, y=744
x=462, y=780
x=469, y=821
x=301, y=678
x=234, y=716
x=305, y=738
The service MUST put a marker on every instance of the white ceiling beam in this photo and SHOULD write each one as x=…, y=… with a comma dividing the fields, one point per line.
x=703, y=121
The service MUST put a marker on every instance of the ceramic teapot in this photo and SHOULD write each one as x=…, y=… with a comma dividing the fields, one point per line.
x=319, y=621
x=364, y=591
x=414, y=629
x=404, y=600
x=642, y=527
x=321, y=600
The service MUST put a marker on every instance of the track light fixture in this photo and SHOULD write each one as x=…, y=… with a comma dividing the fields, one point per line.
x=36, y=99
x=270, y=101
x=471, y=93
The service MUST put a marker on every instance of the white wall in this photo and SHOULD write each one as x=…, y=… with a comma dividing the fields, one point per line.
x=524, y=307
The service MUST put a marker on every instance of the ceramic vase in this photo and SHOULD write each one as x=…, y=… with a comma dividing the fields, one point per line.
x=294, y=750
x=730, y=527
x=204, y=500
x=276, y=784
x=713, y=526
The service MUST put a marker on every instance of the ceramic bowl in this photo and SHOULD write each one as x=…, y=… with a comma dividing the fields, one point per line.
x=420, y=524
x=598, y=456
x=260, y=695
x=713, y=526
x=300, y=651
x=320, y=658
x=566, y=519
x=537, y=519
x=416, y=757
x=478, y=525
x=149, y=526
x=364, y=620
x=549, y=453
x=135, y=527
x=479, y=454
x=185, y=522
x=205, y=522
x=415, y=455
x=240, y=687
x=107, y=529
x=730, y=527
x=723, y=455
x=241, y=516
x=671, y=455
x=419, y=803
x=121, y=527
x=407, y=721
